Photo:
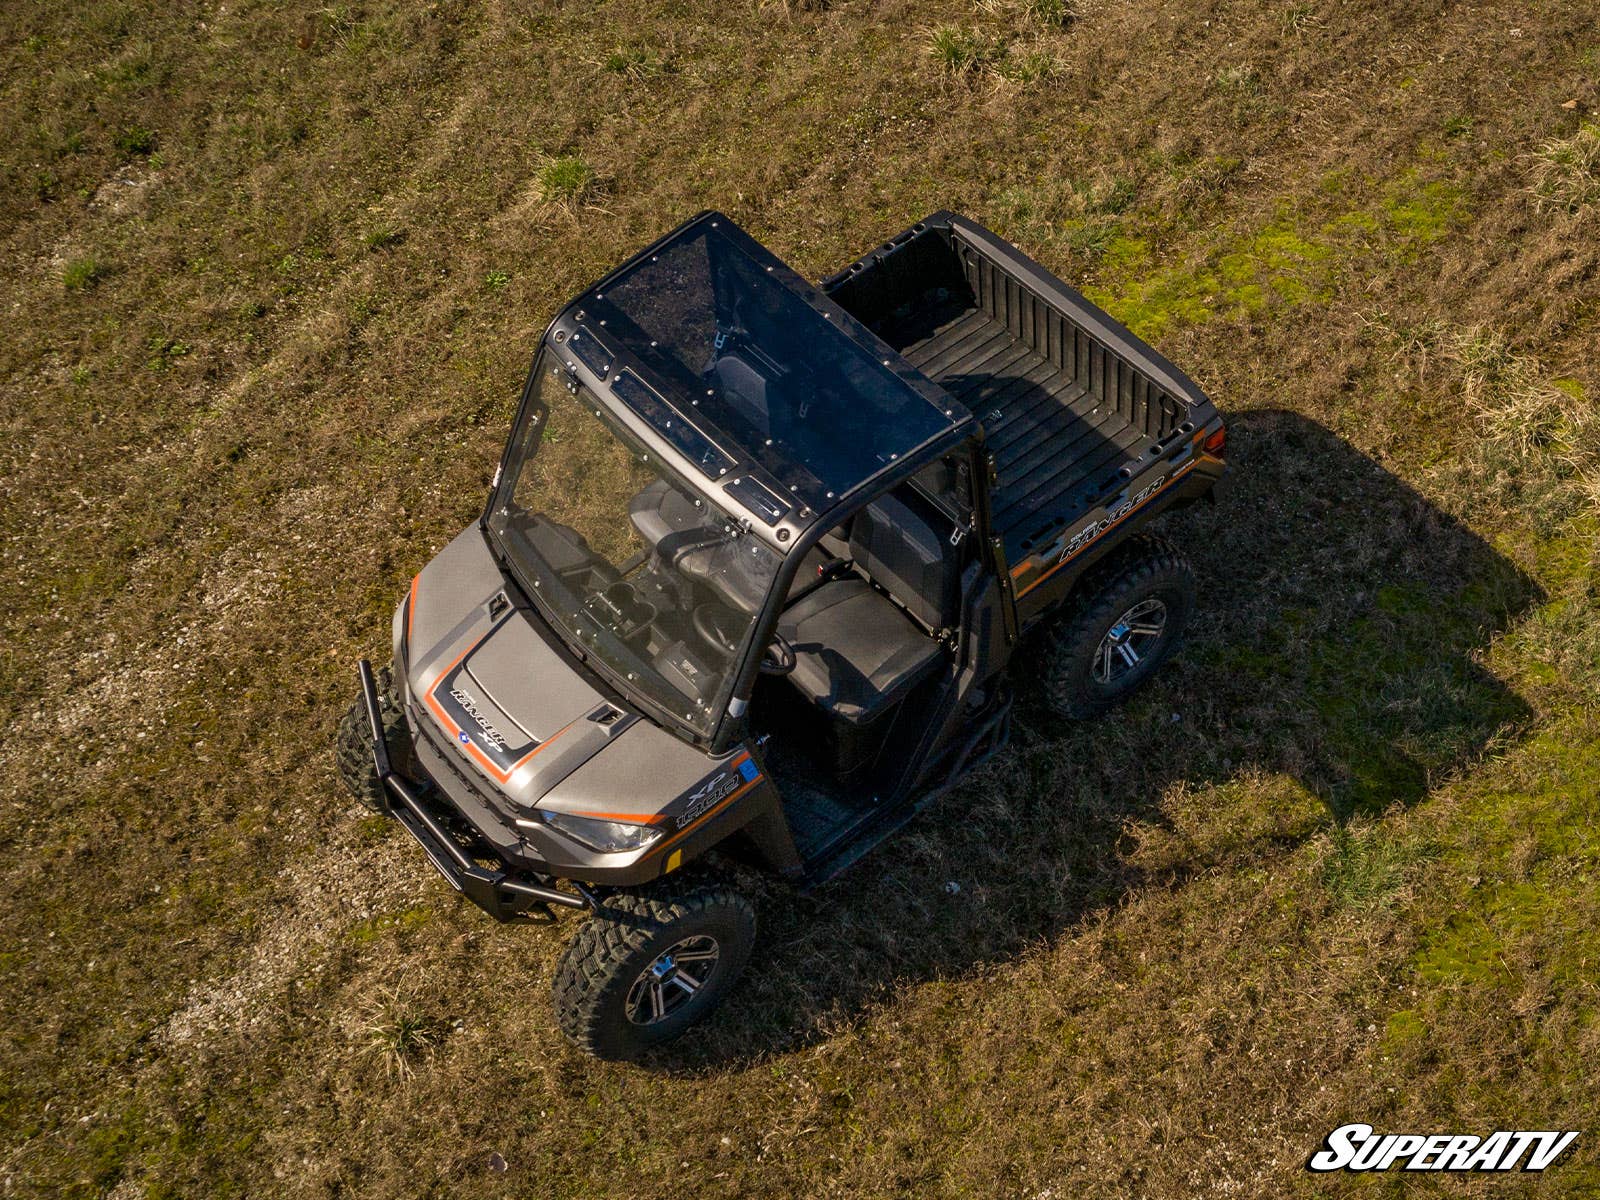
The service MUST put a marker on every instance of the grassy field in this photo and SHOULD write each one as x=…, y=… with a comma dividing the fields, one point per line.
x=274, y=273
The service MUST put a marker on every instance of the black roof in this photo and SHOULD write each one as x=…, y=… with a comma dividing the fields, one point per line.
x=772, y=391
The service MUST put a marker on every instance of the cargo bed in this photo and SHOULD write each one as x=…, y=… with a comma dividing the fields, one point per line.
x=1072, y=405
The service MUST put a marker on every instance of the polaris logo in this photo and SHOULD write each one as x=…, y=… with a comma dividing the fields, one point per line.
x=470, y=706
x=1356, y=1147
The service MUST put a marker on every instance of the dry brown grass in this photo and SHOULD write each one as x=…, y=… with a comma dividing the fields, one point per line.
x=1566, y=171
x=1542, y=428
x=1168, y=970
x=1512, y=397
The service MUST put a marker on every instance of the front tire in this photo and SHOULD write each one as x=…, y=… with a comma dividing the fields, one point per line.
x=1131, y=615
x=353, y=743
x=655, y=962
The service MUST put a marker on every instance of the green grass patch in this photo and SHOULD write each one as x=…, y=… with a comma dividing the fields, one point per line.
x=1240, y=78
x=1028, y=66
x=632, y=62
x=1367, y=865
x=163, y=352
x=135, y=140
x=1565, y=171
x=1393, y=698
x=567, y=179
x=383, y=237
x=1417, y=212
x=1052, y=14
x=960, y=50
x=1528, y=861
x=1403, y=1030
x=81, y=274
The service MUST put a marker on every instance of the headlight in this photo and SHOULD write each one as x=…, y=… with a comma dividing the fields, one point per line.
x=608, y=837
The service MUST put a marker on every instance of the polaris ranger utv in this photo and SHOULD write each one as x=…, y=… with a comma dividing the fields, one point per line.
x=755, y=565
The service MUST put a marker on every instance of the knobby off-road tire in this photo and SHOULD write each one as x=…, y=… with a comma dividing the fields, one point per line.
x=353, y=744
x=647, y=939
x=1127, y=622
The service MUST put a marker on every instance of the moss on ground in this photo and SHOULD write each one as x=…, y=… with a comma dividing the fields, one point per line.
x=1297, y=257
x=384, y=925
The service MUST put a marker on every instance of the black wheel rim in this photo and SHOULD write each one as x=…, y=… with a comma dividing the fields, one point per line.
x=1129, y=642
x=673, y=979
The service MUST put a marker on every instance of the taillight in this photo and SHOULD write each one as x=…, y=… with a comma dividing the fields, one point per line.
x=1217, y=442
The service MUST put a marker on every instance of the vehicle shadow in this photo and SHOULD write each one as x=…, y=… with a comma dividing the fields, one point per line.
x=1334, y=659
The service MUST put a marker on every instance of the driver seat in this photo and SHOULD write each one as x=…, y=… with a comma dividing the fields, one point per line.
x=669, y=522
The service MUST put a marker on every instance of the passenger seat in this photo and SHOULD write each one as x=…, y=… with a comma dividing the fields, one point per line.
x=857, y=653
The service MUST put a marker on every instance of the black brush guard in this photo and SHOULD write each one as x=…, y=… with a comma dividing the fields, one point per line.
x=501, y=893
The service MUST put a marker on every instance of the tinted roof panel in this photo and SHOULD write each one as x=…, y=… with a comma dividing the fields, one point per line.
x=722, y=328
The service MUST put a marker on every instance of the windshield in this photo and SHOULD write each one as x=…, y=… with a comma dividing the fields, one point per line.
x=632, y=564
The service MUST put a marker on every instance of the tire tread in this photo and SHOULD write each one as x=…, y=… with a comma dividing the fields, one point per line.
x=352, y=748
x=1142, y=565
x=602, y=958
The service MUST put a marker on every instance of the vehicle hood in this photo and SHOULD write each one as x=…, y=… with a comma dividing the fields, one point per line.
x=489, y=688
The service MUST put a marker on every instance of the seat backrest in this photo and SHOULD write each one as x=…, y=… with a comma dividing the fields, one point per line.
x=744, y=389
x=903, y=545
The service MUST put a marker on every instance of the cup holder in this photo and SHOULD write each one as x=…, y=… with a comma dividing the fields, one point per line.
x=623, y=609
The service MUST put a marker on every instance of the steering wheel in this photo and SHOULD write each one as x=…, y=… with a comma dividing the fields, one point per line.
x=779, y=658
x=708, y=620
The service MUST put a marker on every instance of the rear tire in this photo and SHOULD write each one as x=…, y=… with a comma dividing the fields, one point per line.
x=1130, y=615
x=658, y=960
x=353, y=743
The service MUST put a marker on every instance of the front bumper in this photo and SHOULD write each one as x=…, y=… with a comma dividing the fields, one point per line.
x=502, y=890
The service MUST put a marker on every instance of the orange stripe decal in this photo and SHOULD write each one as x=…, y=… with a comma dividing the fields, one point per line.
x=478, y=756
x=659, y=818
x=715, y=809
x=411, y=606
x=1176, y=475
